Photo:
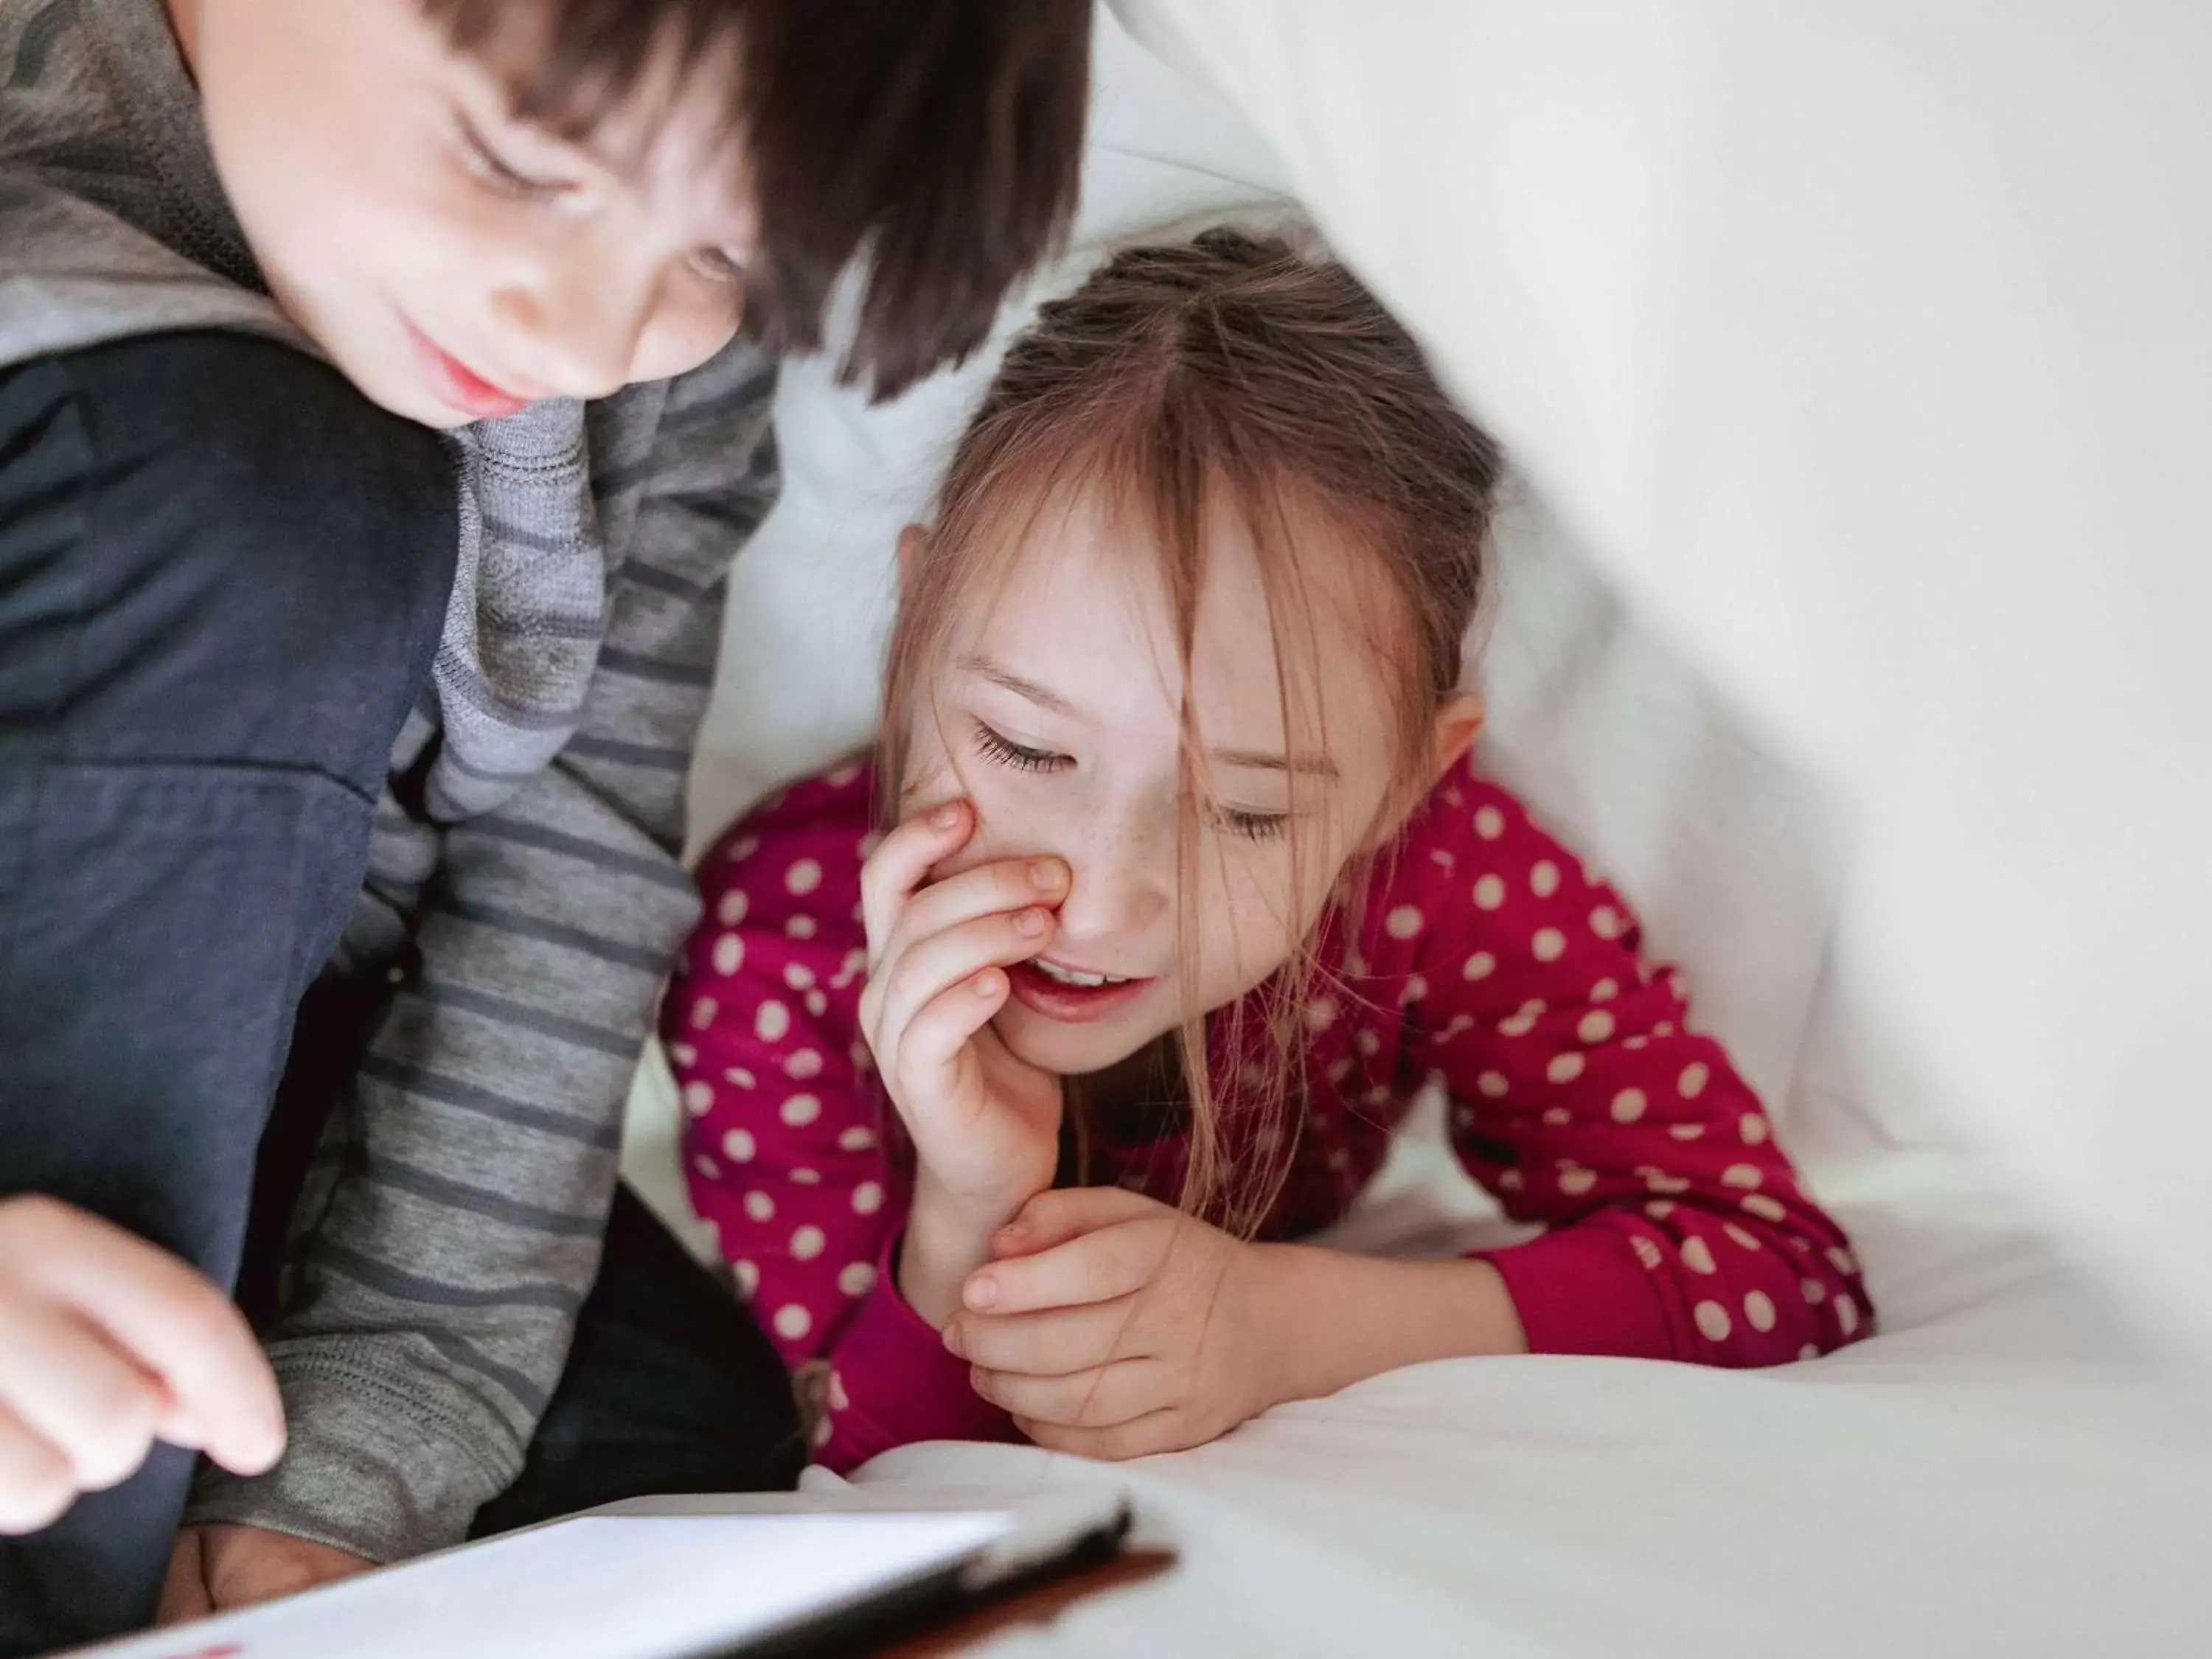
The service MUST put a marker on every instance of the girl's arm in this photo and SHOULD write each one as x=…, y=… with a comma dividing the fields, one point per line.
x=1676, y=1227
x=785, y=1132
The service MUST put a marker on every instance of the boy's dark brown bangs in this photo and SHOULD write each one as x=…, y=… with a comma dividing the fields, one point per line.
x=939, y=142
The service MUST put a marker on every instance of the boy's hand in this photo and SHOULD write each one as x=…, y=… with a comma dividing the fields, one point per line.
x=107, y=1345
x=216, y=1568
x=1114, y=1327
x=984, y=1126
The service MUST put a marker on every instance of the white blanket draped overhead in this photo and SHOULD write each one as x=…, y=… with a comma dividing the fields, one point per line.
x=1868, y=349
x=1859, y=357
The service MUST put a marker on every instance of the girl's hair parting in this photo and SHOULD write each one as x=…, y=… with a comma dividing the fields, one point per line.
x=1230, y=374
x=938, y=141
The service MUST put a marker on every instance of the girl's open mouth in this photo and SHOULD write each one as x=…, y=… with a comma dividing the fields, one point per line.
x=1070, y=994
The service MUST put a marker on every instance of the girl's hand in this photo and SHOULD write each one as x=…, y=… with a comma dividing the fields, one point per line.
x=984, y=1126
x=1114, y=1327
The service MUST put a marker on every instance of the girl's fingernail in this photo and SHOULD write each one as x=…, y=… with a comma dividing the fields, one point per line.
x=1044, y=875
x=952, y=1339
x=945, y=816
x=1030, y=923
x=983, y=1293
x=986, y=984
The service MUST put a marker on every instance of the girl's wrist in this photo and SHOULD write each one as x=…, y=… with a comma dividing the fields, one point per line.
x=1343, y=1318
x=947, y=1238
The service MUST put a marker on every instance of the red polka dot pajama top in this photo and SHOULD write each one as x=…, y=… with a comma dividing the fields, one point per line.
x=1488, y=959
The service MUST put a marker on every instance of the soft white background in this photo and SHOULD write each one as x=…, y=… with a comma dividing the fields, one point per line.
x=1859, y=360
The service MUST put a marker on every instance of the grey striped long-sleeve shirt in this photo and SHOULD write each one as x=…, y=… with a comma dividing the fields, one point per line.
x=525, y=896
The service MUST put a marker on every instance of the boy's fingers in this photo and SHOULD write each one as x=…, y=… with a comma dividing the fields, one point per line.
x=68, y=1384
x=1114, y=1262
x=1096, y=1399
x=1066, y=1212
x=184, y=1587
x=925, y=971
x=1057, y=1342
x=36, y=1484
x=172, y=1323
x=897, y=867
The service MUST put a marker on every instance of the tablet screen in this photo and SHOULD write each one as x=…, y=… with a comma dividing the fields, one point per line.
x=598, y=1587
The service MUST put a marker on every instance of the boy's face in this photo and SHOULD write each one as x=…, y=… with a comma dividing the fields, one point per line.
x=455, y=262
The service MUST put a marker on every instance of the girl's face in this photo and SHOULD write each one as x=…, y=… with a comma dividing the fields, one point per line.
x=1054, y=710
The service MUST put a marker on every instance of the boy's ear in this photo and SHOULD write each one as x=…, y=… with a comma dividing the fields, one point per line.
x=910, y=541
x=1459, y=723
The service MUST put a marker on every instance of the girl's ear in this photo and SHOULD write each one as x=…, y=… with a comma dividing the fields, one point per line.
x=1459, y=723
x=910, y=541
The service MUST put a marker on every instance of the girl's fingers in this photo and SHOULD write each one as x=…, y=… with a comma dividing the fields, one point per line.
x=1097, y=1399
x=919, y=975
x=1064, y=1212
x=1003, y=885
x=902, y=862
x=948, y=1022
x=1114, y=1262
x=1161, y=1431
x=1058, y=1342
x=36, y=1484
x=77, y=1392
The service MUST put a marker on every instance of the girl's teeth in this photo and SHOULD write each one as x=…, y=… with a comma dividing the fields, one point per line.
x=1070, y=976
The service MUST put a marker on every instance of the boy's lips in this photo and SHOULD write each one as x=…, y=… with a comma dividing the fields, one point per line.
x=1073, y=1005
x=457, y=386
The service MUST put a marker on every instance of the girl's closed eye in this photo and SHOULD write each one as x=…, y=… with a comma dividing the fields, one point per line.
x=1253, y=826
x=1018, y=756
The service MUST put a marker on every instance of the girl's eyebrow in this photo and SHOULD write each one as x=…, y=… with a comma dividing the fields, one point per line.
x=1318, y=765
x=1043, y=697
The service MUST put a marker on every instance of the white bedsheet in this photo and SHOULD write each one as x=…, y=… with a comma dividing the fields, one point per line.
x=2004, y=1471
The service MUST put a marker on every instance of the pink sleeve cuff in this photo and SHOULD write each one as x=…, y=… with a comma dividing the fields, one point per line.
x=893, y=1382
x=1581, y=1290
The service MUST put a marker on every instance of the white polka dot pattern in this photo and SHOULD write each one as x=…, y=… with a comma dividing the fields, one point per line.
x=1487, y=959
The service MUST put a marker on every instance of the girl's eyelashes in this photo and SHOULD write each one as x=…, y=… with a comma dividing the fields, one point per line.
x=1020, y=758
x=1005, y=750
x=1253, y=826
x=491, y=169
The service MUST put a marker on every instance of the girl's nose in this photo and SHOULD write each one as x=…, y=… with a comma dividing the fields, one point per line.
x=1120, y=890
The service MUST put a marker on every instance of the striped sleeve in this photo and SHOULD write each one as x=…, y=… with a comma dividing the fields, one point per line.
x=435, y=1295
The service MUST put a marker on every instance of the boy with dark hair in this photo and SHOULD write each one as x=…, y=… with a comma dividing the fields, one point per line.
x=260, y=631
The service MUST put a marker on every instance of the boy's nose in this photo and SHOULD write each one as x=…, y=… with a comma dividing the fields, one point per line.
x=578, y=335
